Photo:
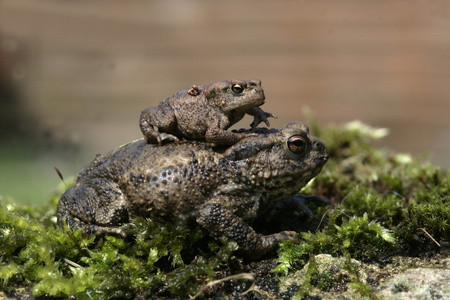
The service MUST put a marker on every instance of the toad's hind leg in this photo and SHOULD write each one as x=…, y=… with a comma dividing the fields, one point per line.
x=97, y=210
x=164, y=118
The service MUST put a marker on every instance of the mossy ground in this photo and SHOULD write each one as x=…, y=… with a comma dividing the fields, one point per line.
x=387, y=209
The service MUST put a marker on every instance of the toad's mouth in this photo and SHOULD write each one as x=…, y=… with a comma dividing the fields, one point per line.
x=321, y=160
x=240, y=107
x=318, y=164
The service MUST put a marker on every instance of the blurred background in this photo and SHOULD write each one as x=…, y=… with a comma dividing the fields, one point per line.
x=75, y=75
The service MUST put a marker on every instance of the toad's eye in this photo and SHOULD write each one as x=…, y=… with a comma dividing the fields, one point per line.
x=296, y=144
x=237, y=88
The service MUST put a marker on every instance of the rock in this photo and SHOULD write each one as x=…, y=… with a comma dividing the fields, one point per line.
x=420, y=283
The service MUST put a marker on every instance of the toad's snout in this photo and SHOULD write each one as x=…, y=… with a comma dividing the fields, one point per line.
x=321, y=150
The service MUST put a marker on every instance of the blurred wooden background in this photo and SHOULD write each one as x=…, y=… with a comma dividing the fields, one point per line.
x=86, y=69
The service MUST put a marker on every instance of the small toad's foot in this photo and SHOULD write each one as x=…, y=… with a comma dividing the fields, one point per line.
x=260, y=116
x=160, y=137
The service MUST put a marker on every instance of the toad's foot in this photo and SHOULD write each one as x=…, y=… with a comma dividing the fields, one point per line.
x=75, y=224
x=297, y=201
x=153, y=136
x=259, y=117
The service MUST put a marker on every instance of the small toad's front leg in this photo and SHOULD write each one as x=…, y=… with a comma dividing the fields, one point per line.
x=247, y=148
x=260, y=116
x=215, y=134
x=219, y=220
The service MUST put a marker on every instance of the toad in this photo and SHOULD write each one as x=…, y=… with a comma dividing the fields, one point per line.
x=193, y=182
x=205, y=112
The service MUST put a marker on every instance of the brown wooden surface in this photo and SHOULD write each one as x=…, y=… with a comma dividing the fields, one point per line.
x=92, y=66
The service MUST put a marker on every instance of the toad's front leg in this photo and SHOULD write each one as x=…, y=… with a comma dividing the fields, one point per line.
x=223, y=137
x=219, y=219
x=260, y=116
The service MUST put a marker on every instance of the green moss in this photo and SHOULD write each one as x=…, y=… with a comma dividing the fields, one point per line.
x=356, y=282
x=383, y=204
x=361, y=238
x=37, y=254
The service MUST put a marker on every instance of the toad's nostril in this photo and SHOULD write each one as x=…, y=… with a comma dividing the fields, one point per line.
x=317, y=144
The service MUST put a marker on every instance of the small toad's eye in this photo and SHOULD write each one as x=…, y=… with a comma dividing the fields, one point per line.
x=237, y=88
x=296, y=144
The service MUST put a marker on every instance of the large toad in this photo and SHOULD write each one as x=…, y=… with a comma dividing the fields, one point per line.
x=222, y=190
x=205, y=112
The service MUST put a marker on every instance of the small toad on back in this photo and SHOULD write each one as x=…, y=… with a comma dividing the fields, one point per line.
x=205, y=112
